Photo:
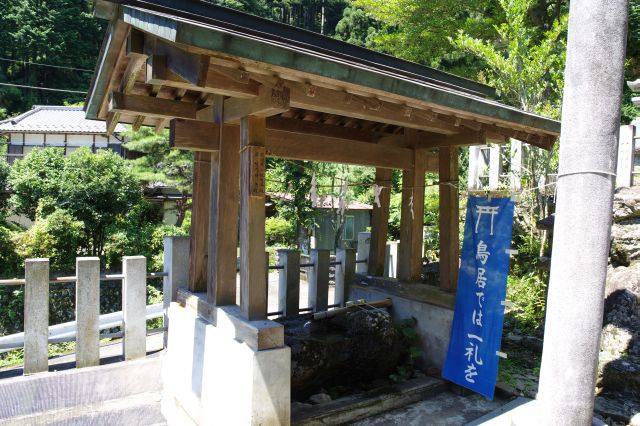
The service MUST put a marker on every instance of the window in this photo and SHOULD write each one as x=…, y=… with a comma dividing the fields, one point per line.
x=349, y=227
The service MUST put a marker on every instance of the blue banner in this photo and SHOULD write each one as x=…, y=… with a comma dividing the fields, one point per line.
x=482, y=286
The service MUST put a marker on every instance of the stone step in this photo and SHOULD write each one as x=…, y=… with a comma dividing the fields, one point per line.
x=142, y=410
x=65, y=391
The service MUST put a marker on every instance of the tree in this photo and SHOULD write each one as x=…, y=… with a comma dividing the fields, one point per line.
x=54, y=32
x=96, y=189
x=526, y=66
x=417, y=30
x=356, y=27
x=160, y=164
x=36, y=177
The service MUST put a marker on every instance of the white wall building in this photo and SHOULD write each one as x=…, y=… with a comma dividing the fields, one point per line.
x=60, y=126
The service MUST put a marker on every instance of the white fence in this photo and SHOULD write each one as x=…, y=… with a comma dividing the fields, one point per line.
x=85, y=330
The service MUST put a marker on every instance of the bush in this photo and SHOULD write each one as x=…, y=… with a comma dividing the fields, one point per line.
x=56, y=236
x=280, y=232
x=528, y=295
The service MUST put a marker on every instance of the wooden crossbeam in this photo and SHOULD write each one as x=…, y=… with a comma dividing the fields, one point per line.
x=196, y=135
x=331, y=131
x=191, y=71
x=151, y=107
x=270, y=101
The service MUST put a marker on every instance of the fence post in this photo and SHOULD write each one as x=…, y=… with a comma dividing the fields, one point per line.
x=364, y=242
x=345, y=272
x=36, y=316
x=87, y=311
x=289, y=282
x=134, y=306
x=319, y=280
x=176, y=266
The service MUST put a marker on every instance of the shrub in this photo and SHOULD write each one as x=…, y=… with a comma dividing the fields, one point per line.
x=280, y=232
x=528, y=295
x=55, y=236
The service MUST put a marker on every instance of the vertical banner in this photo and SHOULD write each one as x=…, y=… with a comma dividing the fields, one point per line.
x=482, y=286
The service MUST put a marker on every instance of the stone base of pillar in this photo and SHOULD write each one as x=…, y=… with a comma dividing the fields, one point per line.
x=210, y=378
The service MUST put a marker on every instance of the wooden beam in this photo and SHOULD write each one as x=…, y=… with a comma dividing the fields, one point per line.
x=151, y=106
x=380, y=224
x=270, y=101
x=331, y=131
x=318, y=148
x=199, y=223
x=341, y=103
x=223, y=212
x=194, y=135
x=412, y=221
x=449, y=219
x=166, y=72
x=253, y=285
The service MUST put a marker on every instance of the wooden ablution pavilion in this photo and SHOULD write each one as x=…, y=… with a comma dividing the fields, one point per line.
x=235, y=89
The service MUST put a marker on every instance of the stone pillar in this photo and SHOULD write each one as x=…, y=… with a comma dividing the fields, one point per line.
x=362, y=253
x=134, y=306
x=319, y=280
x=289, y=282
x=590, y=121
x=391, y=259
x=176, y=266
x=345, y=272
x=87, y=311
x=36, y=316
x=624, y=172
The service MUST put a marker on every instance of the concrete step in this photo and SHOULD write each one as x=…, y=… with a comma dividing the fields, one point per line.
x=68, y=393
x=142, y=409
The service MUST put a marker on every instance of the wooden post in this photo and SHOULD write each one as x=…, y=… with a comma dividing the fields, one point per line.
x=253, y=299
x=87, y=311
x=449, y=219
x=134, y=306
x=289, y=284
x=36, y=316
x=380, y=224
x=223, y=214
x=319, y=280
x=412, y=220
x=199, y=222
x=345, y=273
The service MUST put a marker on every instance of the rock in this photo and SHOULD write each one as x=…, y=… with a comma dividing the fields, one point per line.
x=622, y=277
x=626, y=241
x=319, y=398
x=626, y=204
x=622, y=374
x=635, y=420
x=547, y=223
x=296, y=405
x=360, y=346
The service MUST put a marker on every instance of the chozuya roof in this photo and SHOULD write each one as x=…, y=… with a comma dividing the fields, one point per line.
x=55, y=119
x=269, y=51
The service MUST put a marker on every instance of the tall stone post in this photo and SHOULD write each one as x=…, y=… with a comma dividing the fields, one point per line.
x=590, y=121
x=36, y=315
x=134, y=306
x=176, y=266
x=87, y=311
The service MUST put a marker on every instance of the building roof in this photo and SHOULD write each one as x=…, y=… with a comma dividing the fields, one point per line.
x=236, y=39
x=327, y=202
x=55, y=119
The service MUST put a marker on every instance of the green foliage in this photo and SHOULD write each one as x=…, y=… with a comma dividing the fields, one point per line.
x=56, y=236
x=418, y=30
x=4, y=186
x=528, y=295
x=161, y=165
x=95, y=189
x=356, y=27
x=37, y=176
x=412, y=351
x=280, y=232
x=525, y=67
x=56, y=32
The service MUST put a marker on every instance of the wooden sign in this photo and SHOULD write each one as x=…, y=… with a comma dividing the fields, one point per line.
x=257, y=156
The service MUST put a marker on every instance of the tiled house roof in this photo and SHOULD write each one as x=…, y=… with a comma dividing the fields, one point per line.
x=55, y=119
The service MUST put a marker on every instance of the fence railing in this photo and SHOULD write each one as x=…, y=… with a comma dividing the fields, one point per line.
x=37, y=334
